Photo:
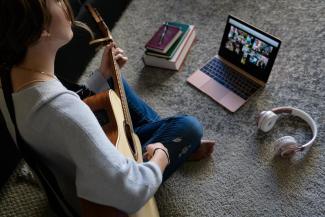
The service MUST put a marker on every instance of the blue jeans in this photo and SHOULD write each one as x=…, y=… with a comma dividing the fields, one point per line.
x=181, y=135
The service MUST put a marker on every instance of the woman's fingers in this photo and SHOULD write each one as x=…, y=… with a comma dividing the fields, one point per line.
x=118, y=55
x=106, y=52
x=118, y=51
x=108, y=48
x=121, y=60
x=147, y=156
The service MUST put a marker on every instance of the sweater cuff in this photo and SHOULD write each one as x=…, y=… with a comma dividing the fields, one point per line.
x=96, y=82
x=157, y=171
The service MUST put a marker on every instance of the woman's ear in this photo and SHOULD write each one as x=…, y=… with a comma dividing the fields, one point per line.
x=45, y=33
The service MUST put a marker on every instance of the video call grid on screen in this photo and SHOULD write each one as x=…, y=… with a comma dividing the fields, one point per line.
x=249, y=48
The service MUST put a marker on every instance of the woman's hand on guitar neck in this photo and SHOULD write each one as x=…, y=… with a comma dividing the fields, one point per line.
x=106, y=64
x=157, y=153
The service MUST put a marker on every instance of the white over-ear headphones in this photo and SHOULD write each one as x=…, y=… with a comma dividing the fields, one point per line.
x=286, y=146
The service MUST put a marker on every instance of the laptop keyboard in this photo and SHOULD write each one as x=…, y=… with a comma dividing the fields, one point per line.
x=229, y=78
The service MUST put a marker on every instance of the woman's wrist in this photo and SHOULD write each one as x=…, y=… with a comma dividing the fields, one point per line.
x=96, y=82
x=163, y=150
x=160, y=158
x=106, y=75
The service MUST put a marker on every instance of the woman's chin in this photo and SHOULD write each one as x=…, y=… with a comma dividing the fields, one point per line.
x=70, y=35
x=67, y=39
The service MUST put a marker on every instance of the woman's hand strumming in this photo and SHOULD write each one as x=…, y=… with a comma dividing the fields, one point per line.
x=159, y=154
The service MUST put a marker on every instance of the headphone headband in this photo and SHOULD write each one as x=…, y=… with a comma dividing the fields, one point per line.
x=303, y=115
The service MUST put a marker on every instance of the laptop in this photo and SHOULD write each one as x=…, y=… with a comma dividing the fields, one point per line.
x=242, y=66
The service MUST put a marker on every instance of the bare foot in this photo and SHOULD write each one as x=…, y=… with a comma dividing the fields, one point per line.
x=204, y=151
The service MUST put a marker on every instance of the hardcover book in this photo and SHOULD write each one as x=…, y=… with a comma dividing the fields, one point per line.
x=176, y=61
x=171, y=51
x=164, y=38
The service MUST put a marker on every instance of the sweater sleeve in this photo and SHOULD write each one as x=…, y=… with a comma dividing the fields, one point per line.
x=104, y=175
x=96, y=82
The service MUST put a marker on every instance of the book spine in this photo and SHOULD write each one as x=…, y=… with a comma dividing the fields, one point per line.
x=181, y=47
x=159, y=62
x=186, y=50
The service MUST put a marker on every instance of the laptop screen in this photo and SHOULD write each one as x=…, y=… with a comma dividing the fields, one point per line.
x=249, y=48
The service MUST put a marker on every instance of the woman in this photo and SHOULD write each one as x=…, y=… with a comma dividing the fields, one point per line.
x=63, y=130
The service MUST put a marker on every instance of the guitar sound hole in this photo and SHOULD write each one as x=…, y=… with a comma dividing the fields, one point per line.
x=128, y=133
x=102, y=117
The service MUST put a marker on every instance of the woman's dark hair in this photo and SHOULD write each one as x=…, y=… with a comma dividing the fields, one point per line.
x=21, y=24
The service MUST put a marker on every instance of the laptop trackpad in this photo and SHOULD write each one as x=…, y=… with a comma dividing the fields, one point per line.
x=214, y=89
x=198, y=79
x=232, y=101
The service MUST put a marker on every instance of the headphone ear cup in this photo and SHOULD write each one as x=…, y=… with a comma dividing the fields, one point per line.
x=266, y=120
x=286, y=146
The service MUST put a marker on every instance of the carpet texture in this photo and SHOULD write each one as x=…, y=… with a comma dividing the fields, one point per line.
x=242, y=177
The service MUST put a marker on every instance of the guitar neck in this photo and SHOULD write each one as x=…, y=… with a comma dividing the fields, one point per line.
x=117, y=78
x=119, y=88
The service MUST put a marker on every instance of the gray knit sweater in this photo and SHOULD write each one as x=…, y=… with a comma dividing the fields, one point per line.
x=64, y=131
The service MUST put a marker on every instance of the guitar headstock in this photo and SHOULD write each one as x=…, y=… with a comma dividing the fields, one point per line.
x=105, y=32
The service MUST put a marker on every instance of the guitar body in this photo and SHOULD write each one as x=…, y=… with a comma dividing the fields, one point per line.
x=115, y=131
x=122, y=143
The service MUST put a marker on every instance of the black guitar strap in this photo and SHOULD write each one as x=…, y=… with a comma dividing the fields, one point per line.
x=48, y=181
x=81, y=90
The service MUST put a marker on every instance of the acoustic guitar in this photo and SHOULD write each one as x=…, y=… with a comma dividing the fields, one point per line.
x=117, y=126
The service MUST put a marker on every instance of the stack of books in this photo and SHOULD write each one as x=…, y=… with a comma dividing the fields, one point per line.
x=169, y=46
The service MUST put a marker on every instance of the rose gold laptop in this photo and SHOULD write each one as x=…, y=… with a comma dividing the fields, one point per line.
x=242, y=66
